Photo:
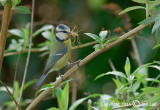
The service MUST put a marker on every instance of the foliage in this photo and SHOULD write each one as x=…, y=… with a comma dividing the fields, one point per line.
x=129, y=84
x=101, y=39
x=24, y=37
x=16, y=93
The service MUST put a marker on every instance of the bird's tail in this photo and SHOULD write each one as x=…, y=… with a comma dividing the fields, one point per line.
x=40, y=81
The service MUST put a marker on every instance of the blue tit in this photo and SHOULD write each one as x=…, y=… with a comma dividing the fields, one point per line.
x=60, y=52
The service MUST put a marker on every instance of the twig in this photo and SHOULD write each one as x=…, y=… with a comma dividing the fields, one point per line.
x=39, y=50
x=147, y=9
x=10, y=94
x=4, y=28
x=29, y=51
x=137, y=57
x=83, y=62
x=155, y=108
x=23, y=51
x=113, y=68
x=74, y=91
x=122, y=107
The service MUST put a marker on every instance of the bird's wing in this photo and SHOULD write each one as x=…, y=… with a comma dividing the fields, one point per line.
x=55, y=57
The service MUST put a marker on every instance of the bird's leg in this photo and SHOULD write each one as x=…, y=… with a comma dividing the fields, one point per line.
x=59, y=72
x=76, y=62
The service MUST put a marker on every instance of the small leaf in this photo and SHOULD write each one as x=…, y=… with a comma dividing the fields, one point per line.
x=64, y=82
x=78, y=102
x=44, y=28
x=156, y=2
x=26, y=85
x=148, y=90
x=147, y=21
x=47, y=35
x=16, y=32
x=153, y=80
x=157, y=35
x=103, y=34
x=140, y=1
x=130, y=9
x=154, y=99
x=53, y=108
x=111, y=40
x=95, y=37
x=65, y=97
x=118, y=83
x=127, y=67
x=113, y=73
x=59, y=97
x=23, y=10
x=156, y=24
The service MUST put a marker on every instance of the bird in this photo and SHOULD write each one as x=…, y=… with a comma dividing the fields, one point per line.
x=59, y=54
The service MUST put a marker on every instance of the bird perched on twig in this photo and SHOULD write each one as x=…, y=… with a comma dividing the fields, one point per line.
x=60, y=52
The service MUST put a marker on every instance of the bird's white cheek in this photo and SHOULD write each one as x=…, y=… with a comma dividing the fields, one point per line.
x=61, y=35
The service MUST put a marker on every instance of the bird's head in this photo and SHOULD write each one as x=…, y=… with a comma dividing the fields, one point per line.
x=62, y=32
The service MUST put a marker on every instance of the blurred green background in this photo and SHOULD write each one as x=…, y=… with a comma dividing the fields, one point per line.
x=90, y=16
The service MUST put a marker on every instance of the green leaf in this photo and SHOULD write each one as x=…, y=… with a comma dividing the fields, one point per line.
x=130, y=9
x=154, y=99
x=16, y=90
x=103, y=107
x=16, y=32
x=153, y=80
x=156, y=2
x=156, y=24
x=47, y=35
x=89, y=104
x=148, y=90
x=44, y=87
x=23, y=10
x=95, y=37
x=97, y=47
x=78, y=102
x=113, y=73
x=102, y=35
x=44, y=28
x=111, y=40
x=127, y=67
x=118, y=83
x=59, y=97
x=65, y=97
x=53, y=108
x=15, y=2
x=26, y=85
x=140, y=1
x=147, y=21
x=157, y=35
x=156, y=46
x=64, y=82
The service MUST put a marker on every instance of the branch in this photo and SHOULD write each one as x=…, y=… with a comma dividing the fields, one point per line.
x=83, y=62
x=39, y=50
x=29, y=52
x=156, y=107
x=4, y=28
x=10, y=94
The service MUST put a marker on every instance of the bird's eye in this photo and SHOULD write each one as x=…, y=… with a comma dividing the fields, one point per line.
x=64, y=31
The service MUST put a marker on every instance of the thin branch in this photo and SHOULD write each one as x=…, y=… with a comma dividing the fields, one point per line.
x=113, y=68
x=4, y=28
x=39, y=50
x=10, y=94
x=83, y=62
x=29, y=51
x=156, y=107
x=137, y=57
x=74, y=90
x=23, y=51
